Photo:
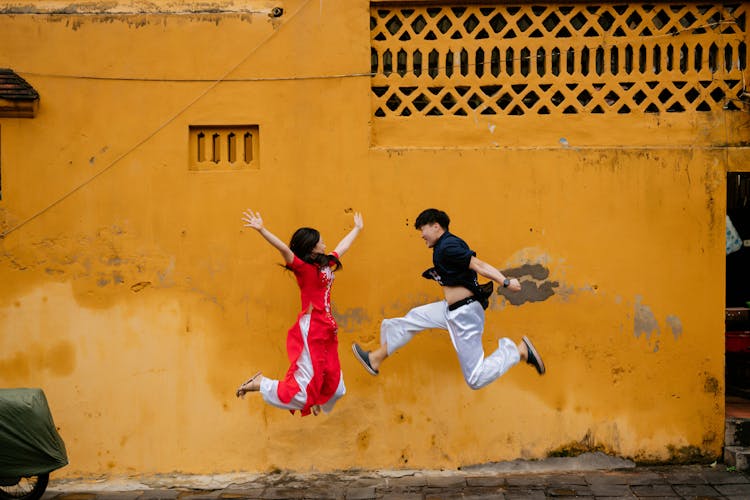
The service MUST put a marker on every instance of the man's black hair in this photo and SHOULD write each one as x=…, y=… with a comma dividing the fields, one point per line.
x=432, y=215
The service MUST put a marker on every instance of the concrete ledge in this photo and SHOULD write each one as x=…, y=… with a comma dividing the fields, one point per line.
x=737, y=432
x=583, y=462
x=664, y=481
x=404, y=478
x=738, y=457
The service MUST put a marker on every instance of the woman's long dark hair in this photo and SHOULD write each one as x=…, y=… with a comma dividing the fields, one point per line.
x=302, y=243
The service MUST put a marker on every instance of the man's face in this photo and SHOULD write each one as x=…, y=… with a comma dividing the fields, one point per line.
x=431, y=233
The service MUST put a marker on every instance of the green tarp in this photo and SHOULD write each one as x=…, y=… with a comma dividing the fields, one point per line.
x=29, y=442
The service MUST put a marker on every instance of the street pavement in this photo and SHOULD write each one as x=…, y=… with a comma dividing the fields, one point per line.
x=565, y=478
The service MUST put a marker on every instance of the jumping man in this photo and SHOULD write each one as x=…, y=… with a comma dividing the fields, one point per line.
x=461, y=313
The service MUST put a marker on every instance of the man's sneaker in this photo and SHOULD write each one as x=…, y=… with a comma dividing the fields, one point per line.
x=534, y=359
x=364, y=358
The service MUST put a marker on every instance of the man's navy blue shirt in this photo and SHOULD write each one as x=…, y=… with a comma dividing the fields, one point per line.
x=451, y=256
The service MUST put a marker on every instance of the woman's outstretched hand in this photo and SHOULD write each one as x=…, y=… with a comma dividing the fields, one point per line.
x=346, y=242
x=253, y=220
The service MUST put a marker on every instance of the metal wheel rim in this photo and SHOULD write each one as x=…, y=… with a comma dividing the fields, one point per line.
x=19, y=490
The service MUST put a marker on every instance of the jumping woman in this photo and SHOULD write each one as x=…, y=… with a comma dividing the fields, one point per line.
x=314, y=379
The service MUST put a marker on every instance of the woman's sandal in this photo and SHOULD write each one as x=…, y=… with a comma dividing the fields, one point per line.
x=245, y=387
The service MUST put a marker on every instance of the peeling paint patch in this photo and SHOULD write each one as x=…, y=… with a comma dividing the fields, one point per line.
x=535, y=287
x=166, y=276
x=644, y=321
x=535, y=271
x=137, y=287
x=675, y=325
x=350, y=319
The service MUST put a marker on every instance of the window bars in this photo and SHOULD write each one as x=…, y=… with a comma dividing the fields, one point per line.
x=556, y=59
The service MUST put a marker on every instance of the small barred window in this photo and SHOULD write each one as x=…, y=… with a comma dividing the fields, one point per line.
x=556, y=59
x=223, y=147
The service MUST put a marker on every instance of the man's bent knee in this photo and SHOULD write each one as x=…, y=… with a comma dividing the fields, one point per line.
x=474, y=383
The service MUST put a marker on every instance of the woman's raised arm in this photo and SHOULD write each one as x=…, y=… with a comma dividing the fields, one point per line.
x=255, y=221
x=347, y=240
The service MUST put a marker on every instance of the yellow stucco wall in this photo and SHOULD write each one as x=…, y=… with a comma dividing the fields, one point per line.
x=138, y=302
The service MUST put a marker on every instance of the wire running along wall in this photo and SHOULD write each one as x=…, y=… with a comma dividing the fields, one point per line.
x=556, y=59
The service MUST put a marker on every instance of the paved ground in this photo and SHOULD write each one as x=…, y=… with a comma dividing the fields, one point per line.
x=512, y=480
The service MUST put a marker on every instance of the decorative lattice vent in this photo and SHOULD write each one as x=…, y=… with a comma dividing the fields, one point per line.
x=556, y=59
x=223, y=147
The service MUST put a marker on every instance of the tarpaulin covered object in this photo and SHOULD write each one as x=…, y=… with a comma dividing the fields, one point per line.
x=29, y=442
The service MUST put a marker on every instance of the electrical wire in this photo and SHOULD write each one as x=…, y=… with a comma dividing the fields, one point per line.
x=150, y=135
x=225, y=79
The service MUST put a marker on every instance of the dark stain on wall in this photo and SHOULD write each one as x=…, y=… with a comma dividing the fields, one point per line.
x=689, y=455
x=363, y=440
x=535, y=285
x=711, y=384
x=573, y=449
x=350, y=319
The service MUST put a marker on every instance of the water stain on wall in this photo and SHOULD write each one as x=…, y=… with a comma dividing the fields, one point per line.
x=711, y=384
x=75, y=18
x=98, y=265
x=350, y=319
x=363, y=440
x=688, y=455
x=587, y=444
x=675, y=325
x=57, y=359
x=402, y=418
x=644, y=321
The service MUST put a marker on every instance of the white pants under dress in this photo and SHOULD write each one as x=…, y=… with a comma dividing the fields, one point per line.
x=465, y=326
x=303, y=375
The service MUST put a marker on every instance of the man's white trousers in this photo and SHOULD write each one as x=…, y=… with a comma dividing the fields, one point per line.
x=465, y=326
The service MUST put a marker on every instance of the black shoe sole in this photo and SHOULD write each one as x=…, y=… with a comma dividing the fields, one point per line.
x=534, y=359
x=364, y=358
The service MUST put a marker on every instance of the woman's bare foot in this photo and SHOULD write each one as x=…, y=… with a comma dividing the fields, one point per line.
x=315, y=409
x=250, y=385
